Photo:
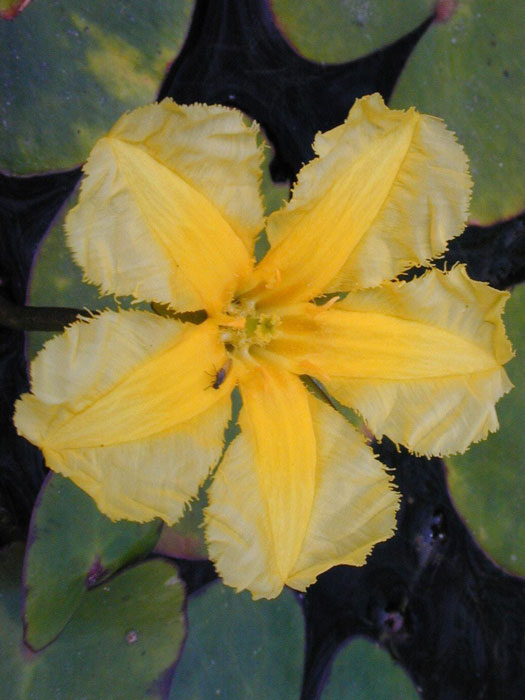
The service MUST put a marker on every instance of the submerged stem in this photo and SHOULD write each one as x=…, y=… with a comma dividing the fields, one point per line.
x=37, y=318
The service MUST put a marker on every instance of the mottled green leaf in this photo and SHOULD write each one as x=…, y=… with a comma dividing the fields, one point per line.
x=364, y=671
x=274, y=194
x=120, y=643
x=240, y=649
x=72, y=547
x=469, y=71
x=56, y=280
x=185, y=539
x=69, y=70
x=487, y=483
x=343, y=30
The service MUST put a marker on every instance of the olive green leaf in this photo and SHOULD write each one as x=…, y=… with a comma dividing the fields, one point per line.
x=343, y=30
x=468, y=70
x=69, y=70
x=239, y=649
x=487, y=483
x=364, y=671
x=121, y=642
x=72, y=547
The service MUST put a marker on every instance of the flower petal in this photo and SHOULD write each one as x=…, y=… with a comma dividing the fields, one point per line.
x=169, y=208
x=387, y=190
x=354, y=506
x=262, y=494
x=121, y=405
x=254, y=511
x=422, y=362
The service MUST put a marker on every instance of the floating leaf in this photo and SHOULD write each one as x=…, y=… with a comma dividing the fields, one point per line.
x=274, y=194
x=56, y=280
x=72, y=547
x=487, y=483
x=120, y=643
x=336, y=32
x=69, y=70
x=185, y=539
x=364, y=671
x=469, y=71
x=237, y=648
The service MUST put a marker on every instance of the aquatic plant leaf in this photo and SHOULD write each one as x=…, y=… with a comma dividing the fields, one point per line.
x=237, y=648
x=185, y=539
x=72, y=547
x=56, y=280
x=336, y=32
x=468, y=69
x=487, y=482
x=123, y=639
x=70, y=70
x=364, y=671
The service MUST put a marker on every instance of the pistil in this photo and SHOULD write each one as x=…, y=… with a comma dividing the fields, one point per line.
x=242, y=328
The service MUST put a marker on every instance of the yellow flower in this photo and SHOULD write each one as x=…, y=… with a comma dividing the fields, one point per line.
x=132, y=406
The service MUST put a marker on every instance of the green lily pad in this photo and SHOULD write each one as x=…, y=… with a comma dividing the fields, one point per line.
x=56, y=280
x=72, y=547
x=69, y=70
x=121, y=642
x=487, y=483
x=364, y=671
x=274, y=194
x=237, y=648
x=469, y=71
x=185, y=539
x=340, y=31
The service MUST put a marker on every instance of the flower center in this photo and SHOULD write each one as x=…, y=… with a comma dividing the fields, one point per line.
x=243, y=328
